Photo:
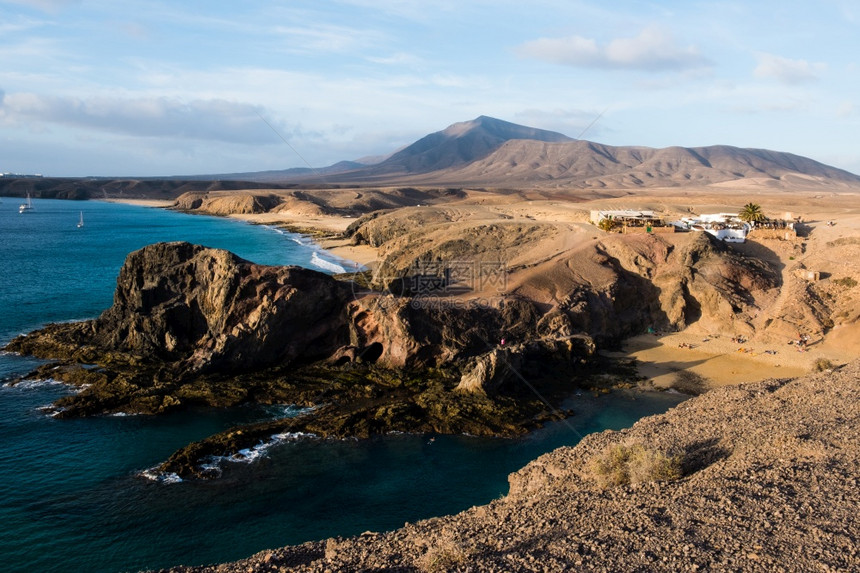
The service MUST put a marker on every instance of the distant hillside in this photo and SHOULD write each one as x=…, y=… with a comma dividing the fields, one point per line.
x=314, y=175
x=495, y=153
x=583, y=164
x=489, y=152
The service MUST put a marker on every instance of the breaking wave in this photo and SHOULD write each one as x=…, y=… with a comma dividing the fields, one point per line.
x=319, y=262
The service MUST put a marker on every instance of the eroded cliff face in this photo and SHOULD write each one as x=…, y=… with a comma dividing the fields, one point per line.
x=211, y=309
x=608, y=286
x=692, y=279
x=205, y=309
x=227, y=203
x=422, y=332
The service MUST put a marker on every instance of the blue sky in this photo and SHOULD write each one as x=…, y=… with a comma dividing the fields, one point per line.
x=168, y=88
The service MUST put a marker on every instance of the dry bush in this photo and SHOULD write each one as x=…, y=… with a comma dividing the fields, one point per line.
x=622, y=464
x=822, y=364
x=444, y=555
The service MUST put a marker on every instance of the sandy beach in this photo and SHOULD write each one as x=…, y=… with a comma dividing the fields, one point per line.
x=159, y=203
x=326, y=231
x=716, y=359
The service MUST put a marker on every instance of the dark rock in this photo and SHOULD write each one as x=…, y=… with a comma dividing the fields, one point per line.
x=207, y=309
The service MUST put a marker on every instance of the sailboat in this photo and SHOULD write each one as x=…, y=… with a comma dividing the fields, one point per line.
x=81, y=222
x=25, y=207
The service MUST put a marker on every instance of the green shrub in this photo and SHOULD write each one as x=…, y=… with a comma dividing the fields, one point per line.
x=621, y=465
x=606, y=224
x=846, y=282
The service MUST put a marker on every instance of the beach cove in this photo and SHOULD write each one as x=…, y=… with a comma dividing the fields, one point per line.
x=78, y=482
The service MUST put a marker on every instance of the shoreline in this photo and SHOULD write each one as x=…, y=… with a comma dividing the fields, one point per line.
x=324, y=232
x=753, y=491
x=160, y=203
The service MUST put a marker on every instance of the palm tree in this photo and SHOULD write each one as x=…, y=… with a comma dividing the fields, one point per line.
x=751, y=213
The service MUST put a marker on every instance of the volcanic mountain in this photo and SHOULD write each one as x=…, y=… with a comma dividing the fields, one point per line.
x=491, y=152
x=587, y=165
x=458, y=145
x=488, y=152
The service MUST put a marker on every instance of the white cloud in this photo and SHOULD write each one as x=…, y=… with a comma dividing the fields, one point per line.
x=771, y=106
x=417, y=10
x=212, y=120
x=786, y=70
x=653, y=49
x=398, y=59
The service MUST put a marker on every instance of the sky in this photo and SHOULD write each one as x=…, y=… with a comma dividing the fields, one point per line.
x=160, y=88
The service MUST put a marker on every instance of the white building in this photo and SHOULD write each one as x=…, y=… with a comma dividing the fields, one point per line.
x=724, y=226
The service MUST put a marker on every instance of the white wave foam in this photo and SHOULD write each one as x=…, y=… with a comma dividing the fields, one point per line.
x=212, y=469
x=165, y=478
x=51, y=410
x=317, y=261
x=275, y=229
x=32, y=384
x=213, y=464
x=292, y=436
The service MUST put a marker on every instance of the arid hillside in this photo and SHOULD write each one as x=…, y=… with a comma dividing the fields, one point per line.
x=587, y=165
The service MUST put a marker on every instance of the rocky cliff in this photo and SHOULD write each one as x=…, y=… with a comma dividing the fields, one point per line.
x=206, y=309
x=609, y=286
x=182, y=312
x=193, y=325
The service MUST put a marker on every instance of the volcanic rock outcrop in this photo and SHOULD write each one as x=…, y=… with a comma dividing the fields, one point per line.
x=208, y=309
x=197, y=326
x=183, y=313
x=191, y=324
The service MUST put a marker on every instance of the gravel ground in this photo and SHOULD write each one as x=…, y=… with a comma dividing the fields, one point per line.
x=770, y=483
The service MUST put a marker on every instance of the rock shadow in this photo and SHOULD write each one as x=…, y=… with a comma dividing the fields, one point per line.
x=701, y=454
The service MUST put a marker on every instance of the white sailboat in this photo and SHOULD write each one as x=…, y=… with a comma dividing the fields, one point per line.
x=81, y=222
x=25, y=207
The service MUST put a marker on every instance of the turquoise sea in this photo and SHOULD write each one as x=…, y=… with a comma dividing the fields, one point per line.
x=74, y=498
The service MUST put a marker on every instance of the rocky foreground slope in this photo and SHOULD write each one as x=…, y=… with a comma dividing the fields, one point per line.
x=769, y=482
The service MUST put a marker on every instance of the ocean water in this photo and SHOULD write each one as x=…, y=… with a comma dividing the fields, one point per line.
x=74, y=496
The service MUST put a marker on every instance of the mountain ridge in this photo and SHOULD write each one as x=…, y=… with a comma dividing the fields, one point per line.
x=493, y=152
